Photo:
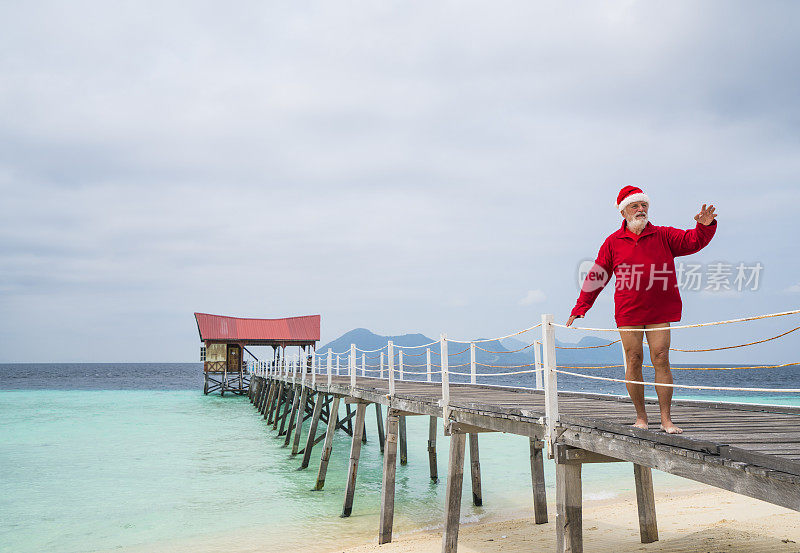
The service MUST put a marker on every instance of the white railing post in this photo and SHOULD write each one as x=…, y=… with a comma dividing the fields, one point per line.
x=550, y=382
x=364, y=364
x=294, y=369
x=537, y=363
x=445, y=381
x=381, y=364
x=473, y=370
x=391, y=368
x=401, y=365
x=303, y=368
x=337, y=364
x=330, y=367
x=314, y=367
x=428, y=362
x=352, y=364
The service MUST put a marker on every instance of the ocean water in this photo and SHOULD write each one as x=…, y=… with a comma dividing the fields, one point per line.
x=135, y=458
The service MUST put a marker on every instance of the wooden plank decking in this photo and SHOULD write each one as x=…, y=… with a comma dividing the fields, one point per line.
x=753, y=450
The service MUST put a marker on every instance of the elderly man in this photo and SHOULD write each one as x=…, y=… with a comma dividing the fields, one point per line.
x=641, y=256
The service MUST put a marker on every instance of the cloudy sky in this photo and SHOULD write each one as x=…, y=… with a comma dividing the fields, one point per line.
x=400, y=166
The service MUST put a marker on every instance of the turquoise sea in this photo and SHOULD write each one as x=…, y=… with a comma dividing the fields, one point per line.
x=133, y=469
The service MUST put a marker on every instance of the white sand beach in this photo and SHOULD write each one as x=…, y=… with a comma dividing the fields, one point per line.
x=699, y=520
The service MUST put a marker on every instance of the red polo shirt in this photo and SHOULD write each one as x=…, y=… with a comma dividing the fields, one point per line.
x=646, y=288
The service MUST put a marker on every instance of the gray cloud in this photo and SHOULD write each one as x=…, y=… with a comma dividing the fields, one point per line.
x=403, y=167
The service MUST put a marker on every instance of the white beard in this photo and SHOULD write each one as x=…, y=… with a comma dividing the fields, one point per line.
x=637, y=224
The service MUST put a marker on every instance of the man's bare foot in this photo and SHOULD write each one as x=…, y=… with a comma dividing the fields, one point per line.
x=640, y=423
x=670, y=428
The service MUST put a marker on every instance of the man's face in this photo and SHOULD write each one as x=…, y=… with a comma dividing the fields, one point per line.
x=635, y=210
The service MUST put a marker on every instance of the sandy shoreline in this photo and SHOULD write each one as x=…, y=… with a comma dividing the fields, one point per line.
x=702, y=519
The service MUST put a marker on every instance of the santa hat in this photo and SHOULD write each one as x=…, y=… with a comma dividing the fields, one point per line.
x=630, y=194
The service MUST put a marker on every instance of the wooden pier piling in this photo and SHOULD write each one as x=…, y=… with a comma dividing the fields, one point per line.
x=355, y=454
x=389, y=472
x=537, y=482
x=475, y=469
x=646, y=503
x=432, y=430
x=312, y=430
x=569, y=507
x=278, y=404
x=301, y=412
x=328, y=447
x=455, y=481
x=379, y=420
x=403, y=441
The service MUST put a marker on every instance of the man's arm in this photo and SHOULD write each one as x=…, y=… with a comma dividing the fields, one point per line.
x=594, y=283
x=687, y=242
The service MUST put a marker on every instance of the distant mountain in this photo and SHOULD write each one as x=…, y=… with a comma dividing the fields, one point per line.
x=494, y=352
x=367, y=340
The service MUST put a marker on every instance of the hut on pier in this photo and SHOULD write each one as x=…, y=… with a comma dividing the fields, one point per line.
x=224, y=352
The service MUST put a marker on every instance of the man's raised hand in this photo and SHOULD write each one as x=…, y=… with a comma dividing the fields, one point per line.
x=706, y=216
x=572, y=319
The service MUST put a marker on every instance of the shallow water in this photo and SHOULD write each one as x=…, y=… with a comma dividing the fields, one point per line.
x=87, y=470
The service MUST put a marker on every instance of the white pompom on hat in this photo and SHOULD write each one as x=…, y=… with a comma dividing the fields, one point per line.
x=630, y=194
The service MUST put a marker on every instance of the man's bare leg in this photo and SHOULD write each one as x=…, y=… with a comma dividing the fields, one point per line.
x=658, y=342
x=632, y=344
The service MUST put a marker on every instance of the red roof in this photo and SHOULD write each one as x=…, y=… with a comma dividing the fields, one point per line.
x=293, y=330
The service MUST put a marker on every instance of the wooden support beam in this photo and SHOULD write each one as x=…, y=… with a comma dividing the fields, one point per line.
x=262, y=392
x=461, y=428
x=645, y=500
x=475, y=470
x=255, y=389
x=354, y=401
x=355, y=454
x=569, y=508
x=389, y=473
x=268, y=397
x=292, y=415
x=298, y=427
x=403, y=441
x=379, y=420
x=537, y=482
x=349, y=419
x=270, y=401
x=573, y=455
x=455, y=481
x=432, y=431
x=708, y=469
x=275, y=414
x=328, y=447
x=312, y=430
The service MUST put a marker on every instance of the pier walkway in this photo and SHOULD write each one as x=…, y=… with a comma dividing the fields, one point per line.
x=749, y=449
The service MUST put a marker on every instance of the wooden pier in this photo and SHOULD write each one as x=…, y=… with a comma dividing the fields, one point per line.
x=748, y=449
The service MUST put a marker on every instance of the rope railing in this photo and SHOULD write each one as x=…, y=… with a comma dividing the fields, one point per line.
x=506, y=351
x=697, y=325
x=420, y=346
x=684, y=386
x=590, y=347
x=371, y=350
x=674, y=368
x=502, y=367
x=738, y=345
x=393, y=364
x=523, y=331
